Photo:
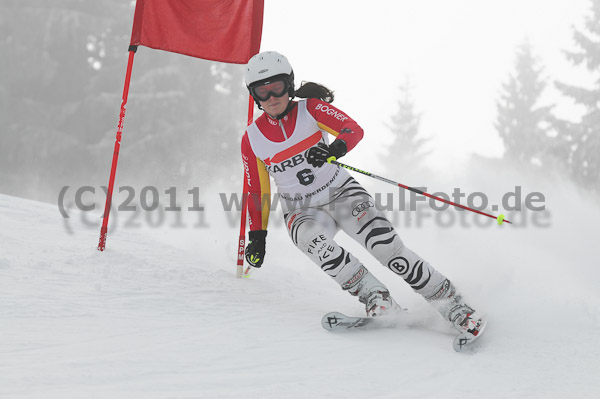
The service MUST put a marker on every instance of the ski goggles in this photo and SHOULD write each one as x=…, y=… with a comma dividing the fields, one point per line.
x=275, y=88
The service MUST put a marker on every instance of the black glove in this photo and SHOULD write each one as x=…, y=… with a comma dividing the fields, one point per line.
x=318, y=155
x=255, y=250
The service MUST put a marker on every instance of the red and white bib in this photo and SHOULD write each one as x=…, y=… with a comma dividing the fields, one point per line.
x=297, y=181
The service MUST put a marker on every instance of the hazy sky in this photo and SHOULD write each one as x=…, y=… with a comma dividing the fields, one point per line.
x=456, y=54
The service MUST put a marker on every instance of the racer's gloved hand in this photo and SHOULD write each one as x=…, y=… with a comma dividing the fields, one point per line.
x=318, y=155
x=255, y=250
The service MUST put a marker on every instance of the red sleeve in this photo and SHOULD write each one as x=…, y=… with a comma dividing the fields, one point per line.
x=335, y=122
x=259, y=187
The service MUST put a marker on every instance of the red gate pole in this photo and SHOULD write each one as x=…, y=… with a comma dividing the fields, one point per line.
x=113, y=170
x=242, y=238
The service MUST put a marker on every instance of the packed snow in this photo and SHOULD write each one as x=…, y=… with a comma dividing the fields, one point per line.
x=160, y=314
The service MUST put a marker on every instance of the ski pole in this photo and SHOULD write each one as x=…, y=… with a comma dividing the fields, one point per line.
x=499, y=218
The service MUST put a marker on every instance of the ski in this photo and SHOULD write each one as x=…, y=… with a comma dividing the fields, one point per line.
x=336, y=321
x=465, y=341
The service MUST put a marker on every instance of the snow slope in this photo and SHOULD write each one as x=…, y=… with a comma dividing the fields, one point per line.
x=160, y=314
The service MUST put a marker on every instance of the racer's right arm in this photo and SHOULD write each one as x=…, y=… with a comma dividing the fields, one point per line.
x=259, y=187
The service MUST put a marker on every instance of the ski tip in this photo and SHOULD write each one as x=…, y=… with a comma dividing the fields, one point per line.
x=331, y=320
x=336, y=321
x=464, y=342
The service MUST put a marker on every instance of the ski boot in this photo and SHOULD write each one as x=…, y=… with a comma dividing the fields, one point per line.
x=372, y=292
x=462, y=317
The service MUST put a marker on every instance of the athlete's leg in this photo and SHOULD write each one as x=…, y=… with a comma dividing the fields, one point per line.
x=355, y=212
x=312, y=231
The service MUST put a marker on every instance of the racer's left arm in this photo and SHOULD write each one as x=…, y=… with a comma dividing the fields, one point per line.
x=330, y=119
x=335, y=122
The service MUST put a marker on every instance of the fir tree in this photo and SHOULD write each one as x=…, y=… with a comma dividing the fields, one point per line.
x=406, y=150
x=584, y=160
x=523, y=124
x=63, y=68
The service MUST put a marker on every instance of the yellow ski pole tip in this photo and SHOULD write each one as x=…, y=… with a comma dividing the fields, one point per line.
x=500, y=219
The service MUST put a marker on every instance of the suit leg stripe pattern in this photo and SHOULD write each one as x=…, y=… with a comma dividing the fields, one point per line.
x=412, y=274
x=380, y=231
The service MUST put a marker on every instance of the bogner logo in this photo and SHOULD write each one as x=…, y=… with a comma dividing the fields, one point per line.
x=330, y=111
x=288, y=163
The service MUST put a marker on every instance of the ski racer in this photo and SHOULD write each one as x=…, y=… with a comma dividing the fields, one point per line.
x=291, y=142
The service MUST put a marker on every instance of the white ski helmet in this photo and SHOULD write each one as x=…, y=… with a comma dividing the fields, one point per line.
x=267, y=65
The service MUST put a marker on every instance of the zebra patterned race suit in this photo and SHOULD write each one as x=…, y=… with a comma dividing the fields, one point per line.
x=320, y=201
x=350, y=208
